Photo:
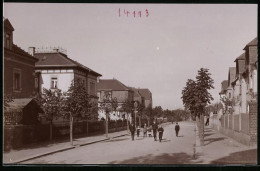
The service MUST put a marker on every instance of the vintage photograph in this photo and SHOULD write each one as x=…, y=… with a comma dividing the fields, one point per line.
x=89, y=83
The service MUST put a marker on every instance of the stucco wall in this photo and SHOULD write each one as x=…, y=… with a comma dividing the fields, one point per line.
x=64, y=78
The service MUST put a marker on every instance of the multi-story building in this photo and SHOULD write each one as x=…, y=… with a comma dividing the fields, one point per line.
x=148, y=98
x=137, y=96
x=242, y=79
x=56, y=70
x=118, y=91
x=231, y=78
x=19, y=66
x=239, y=85
x=250, y=73
x=224, y=86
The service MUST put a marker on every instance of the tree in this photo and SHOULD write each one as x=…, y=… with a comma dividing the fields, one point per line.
x=109, y=105
x=128, y=107
x=51, y=103
x=148, y=112
x=228, y=104
x=157, y=111
x=78, y=103
x=140, y=109
x=196, y=97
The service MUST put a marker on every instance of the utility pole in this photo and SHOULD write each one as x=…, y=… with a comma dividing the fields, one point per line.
x=135, y=105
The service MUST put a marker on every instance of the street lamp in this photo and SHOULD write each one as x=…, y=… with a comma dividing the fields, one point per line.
x=135, y=105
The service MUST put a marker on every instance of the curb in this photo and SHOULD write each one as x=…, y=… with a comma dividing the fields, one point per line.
x=60, y=150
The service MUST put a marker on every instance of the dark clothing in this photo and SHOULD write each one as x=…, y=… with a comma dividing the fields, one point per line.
x=207, y=122
x=138, y=132
x=155, y=134
x=132, y=130
x=155, y=127
x=160, y=130
x=177, y=129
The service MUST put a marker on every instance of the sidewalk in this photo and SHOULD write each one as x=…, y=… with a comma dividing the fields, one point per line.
x=17, y=156
x=220, y=149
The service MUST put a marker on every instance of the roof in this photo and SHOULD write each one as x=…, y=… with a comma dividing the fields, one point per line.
x=17, y=105
x=135, y=90
x=16, y=49
x=146, y=93
x=254, y=42
x=111, y=84
x=7, y=24
x=58, y=59
x=231, y=75
x=241, y=57
x=224, y=85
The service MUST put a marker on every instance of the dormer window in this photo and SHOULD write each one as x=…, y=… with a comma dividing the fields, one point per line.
x=8, y=41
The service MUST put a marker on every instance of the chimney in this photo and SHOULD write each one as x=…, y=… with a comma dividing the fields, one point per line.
x=31, y=50
x=56, y=49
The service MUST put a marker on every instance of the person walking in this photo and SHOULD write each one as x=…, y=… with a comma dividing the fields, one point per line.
x=177, y=129
x=160, y=130
x=154, y=127
x=145, y=130
x=132, y=130
x=207, y=122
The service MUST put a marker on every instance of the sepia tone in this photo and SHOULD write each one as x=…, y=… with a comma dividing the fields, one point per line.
x=130, y=84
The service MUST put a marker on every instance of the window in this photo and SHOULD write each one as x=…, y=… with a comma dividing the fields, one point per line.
x=54, y=83
x=17, y=80
x=8, y=41
x=229, y=95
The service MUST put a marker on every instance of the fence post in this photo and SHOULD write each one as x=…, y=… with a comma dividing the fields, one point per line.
x=240, y=124
x=228, y=120
x=253, y=122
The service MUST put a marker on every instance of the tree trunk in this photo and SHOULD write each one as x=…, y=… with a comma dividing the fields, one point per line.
x=71, y=129
x=201, y=130
x=50, y=130
x=197, y=134
x=107, y=125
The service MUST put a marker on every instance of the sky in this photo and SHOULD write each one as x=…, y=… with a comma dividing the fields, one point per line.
x=160, y=50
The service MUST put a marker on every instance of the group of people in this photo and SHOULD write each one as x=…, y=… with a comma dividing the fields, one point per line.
x=155, y=128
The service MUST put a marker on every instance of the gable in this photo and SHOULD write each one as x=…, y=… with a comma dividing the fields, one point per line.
x=8, y=25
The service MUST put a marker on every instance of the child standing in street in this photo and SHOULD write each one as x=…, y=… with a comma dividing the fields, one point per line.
x=160, y=130
x=138, y=131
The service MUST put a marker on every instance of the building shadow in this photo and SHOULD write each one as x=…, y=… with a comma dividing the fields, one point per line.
x=209, y=134
x=242, y=157
x=115, y=140
x=165, y=158
x=211, y=140
x=165, y=140
x=180, y=136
